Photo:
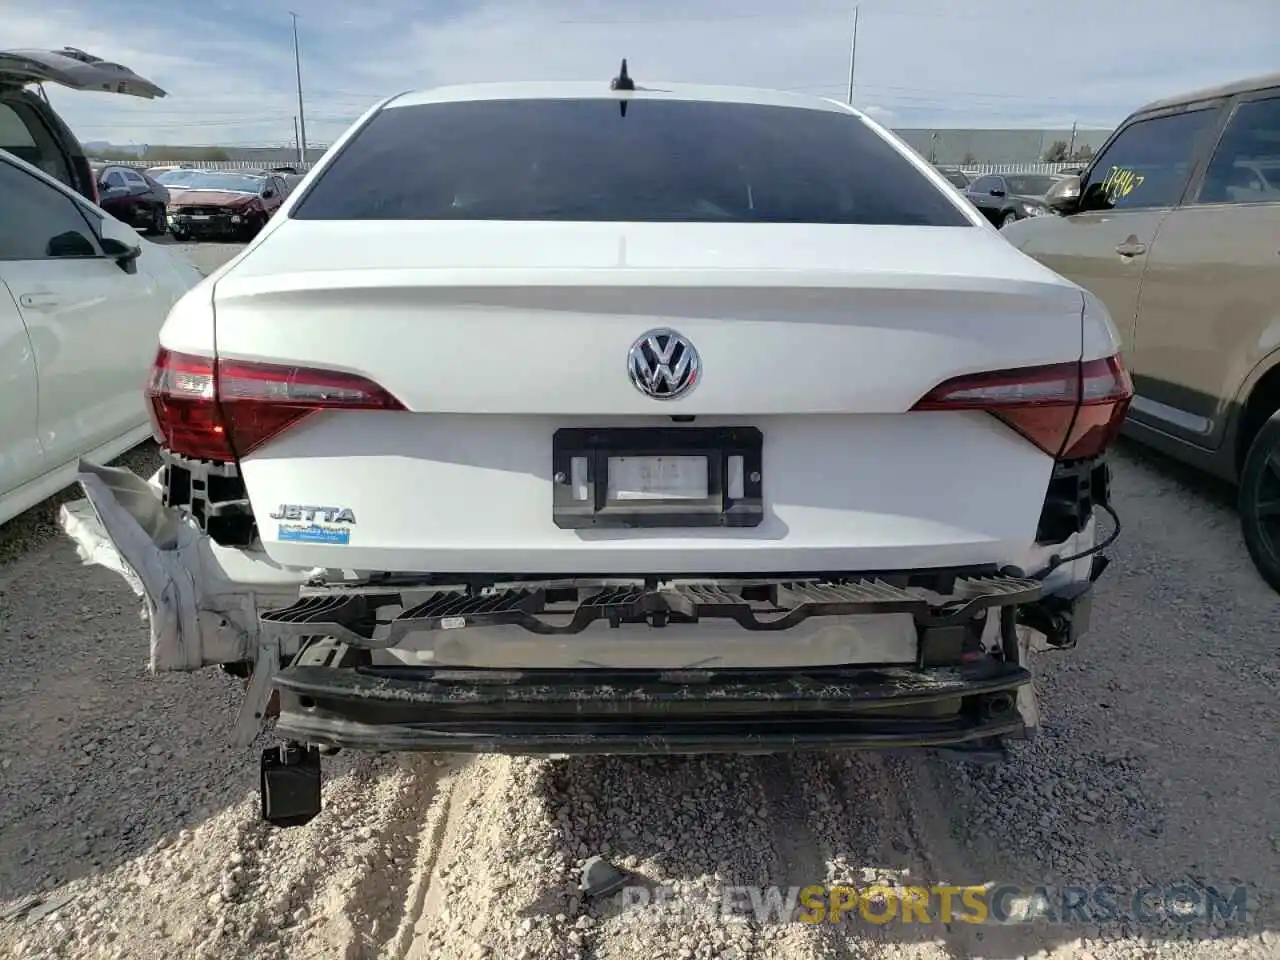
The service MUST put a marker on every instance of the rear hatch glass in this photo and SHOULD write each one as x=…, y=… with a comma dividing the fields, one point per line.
x=663, y=161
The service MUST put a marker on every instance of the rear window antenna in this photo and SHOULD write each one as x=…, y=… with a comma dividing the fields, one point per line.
x=622, y=81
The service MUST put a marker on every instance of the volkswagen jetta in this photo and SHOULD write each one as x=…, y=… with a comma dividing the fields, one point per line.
x=591, y=417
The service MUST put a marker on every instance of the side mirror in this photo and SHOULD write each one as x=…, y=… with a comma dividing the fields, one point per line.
x=120, y=243
x=997, y=192
x=268, y=193
x=1064, y=196
x=125, y=255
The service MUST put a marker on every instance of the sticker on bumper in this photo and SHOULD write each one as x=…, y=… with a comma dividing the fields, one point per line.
x=313, y=533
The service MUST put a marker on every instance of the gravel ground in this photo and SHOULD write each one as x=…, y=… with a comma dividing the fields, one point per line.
x=126, y=809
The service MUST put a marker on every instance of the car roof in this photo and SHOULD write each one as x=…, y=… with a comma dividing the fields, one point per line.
x=1247, y=85
x=600, y=90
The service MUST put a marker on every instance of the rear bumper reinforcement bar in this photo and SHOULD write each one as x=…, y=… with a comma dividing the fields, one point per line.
x=648, y=711
x=350, y=614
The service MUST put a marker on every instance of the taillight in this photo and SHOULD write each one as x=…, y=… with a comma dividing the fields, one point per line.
x=1071, y=411
x=209, y=410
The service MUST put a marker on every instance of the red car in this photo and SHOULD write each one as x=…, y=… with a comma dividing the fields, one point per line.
x=223, y=204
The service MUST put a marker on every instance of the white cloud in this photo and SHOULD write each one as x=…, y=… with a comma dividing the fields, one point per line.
x=228, y=64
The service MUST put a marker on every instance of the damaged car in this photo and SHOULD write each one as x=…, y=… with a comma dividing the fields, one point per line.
x=620, y=420
x=222, y=204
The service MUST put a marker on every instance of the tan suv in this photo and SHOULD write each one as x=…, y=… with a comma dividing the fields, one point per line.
x=1175, y=226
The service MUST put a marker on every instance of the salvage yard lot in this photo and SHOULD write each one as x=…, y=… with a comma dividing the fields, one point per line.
x=1157, y=765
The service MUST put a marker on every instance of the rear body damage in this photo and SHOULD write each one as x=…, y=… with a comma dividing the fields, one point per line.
x=563, y=486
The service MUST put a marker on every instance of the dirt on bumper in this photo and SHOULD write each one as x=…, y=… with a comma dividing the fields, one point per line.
x=649, y=711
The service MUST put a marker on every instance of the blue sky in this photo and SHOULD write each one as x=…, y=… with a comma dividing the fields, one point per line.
x=228, y=64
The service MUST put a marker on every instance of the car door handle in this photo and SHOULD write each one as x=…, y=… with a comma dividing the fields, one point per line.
x=39, y=301
x=1132, y=247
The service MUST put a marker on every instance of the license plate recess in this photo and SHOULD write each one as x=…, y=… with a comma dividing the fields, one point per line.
x=726, y=493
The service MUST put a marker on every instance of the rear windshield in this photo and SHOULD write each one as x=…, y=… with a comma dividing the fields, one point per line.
x=664, y=161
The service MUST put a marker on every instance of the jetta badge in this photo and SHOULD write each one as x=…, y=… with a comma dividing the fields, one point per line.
x=664, y=365
x=311, y=514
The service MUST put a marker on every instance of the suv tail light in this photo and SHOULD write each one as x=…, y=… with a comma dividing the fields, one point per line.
x=220, y=410
x=1071, y=411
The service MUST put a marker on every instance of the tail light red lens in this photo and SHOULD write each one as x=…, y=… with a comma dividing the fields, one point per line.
x=1071, y=411
x=219, y=410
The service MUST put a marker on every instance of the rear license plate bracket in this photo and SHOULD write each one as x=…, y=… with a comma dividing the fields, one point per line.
x=647, y=477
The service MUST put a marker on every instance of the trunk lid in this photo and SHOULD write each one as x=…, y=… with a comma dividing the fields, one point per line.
x=76, y=69
x=539, y=318
x=495, y=336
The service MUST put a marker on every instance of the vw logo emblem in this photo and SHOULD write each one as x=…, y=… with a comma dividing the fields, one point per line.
x=662, y=364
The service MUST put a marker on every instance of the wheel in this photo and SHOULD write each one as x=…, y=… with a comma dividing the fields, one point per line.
x=159, y=223
x=1259, y=501
x=251, y=229
x=1008, y=219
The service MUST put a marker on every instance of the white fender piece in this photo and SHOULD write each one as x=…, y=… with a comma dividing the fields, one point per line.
x=202, y=600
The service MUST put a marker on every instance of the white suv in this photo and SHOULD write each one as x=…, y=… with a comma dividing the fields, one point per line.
x=579, y=417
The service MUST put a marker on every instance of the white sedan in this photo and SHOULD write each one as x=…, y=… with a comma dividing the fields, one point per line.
x=620, y=419
x=82, y=300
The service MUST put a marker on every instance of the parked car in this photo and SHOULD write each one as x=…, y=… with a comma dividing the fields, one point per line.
x=1173, y=227
x=175, y=178
x=82, y=299
x=132, y=197
x=826, y=501
x=1005, y=197
x=959, y=179
x=223, y=204
x=156, y=172
x=31, y=129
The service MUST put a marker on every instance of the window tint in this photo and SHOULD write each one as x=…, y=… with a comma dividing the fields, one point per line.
x=983, y=184
x=134, y=179
x=24, y=134
x=665, y=161
x=1148, y=164
x=13, y=132
x=114, y=179
x=37, y=222
x=1029, y=185
x=1246, y=165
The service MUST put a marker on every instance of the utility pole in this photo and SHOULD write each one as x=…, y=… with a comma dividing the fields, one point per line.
x=302, y=117
x=853, y=52
x=297, y=140
x=1071, y=149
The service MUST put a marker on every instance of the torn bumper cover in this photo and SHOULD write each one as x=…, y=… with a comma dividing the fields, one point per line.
x=952, y=694
x=202, y=602
x=316, y=640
